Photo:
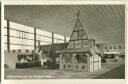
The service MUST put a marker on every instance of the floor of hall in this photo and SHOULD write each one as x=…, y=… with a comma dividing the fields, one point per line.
x=113, y=70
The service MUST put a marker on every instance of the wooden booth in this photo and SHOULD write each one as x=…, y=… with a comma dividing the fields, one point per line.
x=81, y=53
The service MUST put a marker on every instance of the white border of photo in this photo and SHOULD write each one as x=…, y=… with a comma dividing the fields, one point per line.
x=62, y=2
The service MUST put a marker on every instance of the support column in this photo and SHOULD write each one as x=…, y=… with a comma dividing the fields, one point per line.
x=89, y=63
x=73, y=61
x=93, y=61
x=34, y=38
x=52, y=49
x=38, y=45
x=8, y=36
x=52, y=53
x=64, y=39
x=52, y=42
x=60, y=62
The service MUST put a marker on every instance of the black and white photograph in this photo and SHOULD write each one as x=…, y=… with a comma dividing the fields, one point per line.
x=64, y=41
x=0, y=42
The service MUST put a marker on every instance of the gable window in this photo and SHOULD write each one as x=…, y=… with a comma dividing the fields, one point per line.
x=110, y=47
x=119, y=47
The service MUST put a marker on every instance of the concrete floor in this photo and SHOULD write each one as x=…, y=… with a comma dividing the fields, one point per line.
x=118, y=73
x=114, y=70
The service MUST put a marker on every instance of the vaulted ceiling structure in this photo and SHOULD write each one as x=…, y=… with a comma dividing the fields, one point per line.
x=104, y=23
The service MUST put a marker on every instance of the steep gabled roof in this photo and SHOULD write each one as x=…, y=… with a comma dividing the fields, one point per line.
x=79, y=41
x=78, y=37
